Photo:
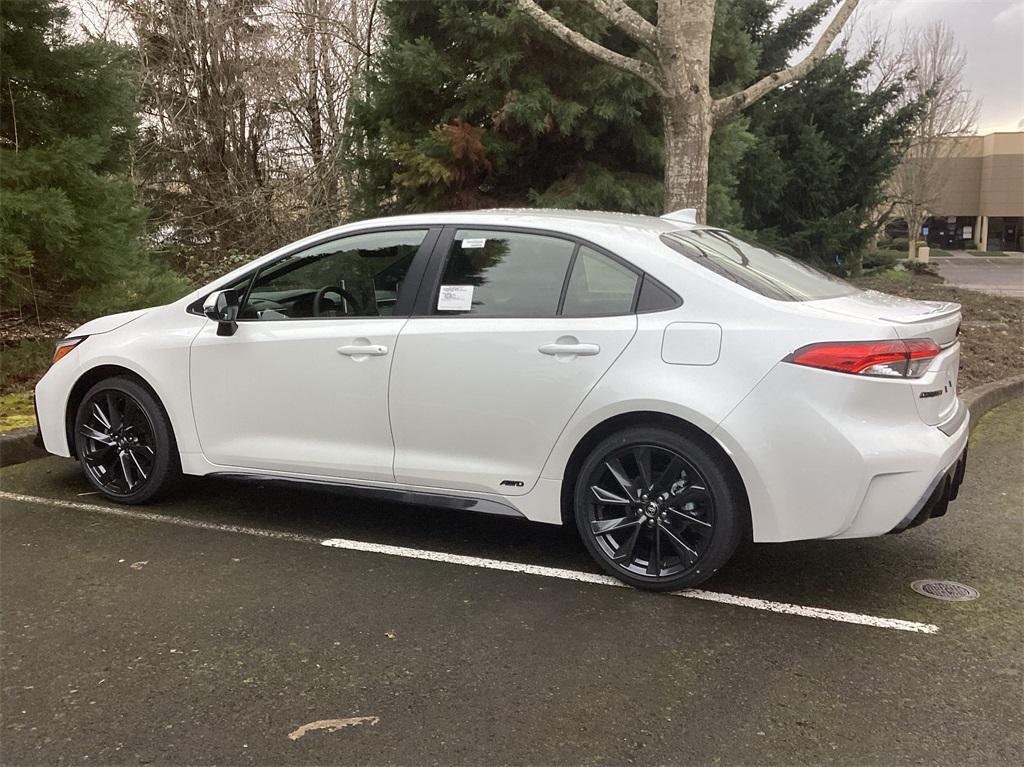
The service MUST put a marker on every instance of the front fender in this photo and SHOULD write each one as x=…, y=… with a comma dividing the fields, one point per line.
x=155, y=348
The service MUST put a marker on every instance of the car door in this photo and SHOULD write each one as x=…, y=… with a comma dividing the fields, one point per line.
x=301, y=386
x=518, y=327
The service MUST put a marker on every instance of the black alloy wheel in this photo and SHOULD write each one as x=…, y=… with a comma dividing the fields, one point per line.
x=656, y=510
x=123, y=441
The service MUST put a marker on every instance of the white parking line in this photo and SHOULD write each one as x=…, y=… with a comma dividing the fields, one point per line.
x=607, y=580
x=820, y=613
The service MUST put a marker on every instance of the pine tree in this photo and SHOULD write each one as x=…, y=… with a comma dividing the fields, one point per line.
x=70, y=227
x=805, y=168
x=822, y=154
x=471, y=107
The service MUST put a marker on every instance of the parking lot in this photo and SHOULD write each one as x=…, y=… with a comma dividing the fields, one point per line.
x=1001, y=275
x=212, y=627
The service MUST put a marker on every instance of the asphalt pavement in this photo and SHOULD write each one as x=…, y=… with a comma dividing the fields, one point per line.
x=1002, y=275
x=216, y=627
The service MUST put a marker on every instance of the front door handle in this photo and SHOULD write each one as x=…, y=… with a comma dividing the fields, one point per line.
x=574, y=349
x=363, y=350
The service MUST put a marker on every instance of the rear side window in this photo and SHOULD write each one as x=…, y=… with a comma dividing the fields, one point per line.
x=504, y=274
x=599, y=286
x=755, y=267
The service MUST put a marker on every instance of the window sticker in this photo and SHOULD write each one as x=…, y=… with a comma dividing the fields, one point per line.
x=477, y=242
x=455, y=298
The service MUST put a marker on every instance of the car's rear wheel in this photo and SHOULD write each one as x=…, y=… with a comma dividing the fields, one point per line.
x=124, y=441
x=657, y=509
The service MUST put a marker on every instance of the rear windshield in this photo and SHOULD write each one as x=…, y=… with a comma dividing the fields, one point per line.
x=756, y=267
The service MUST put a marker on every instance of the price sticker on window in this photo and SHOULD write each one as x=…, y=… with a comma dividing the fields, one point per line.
x=455, y=298
x=478, y=242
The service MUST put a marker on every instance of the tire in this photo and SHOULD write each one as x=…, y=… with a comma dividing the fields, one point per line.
x=125, y=443
x=657, y=509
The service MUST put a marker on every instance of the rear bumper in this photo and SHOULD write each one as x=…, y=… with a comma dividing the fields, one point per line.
x=824, y=456
x=935, y=502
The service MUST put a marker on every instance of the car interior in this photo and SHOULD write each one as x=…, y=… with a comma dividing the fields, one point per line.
x=354, y=282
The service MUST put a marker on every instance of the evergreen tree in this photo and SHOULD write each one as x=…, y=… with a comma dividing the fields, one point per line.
x=70, y=227
x=823, y=151
x=470, y=106
x=805, y=168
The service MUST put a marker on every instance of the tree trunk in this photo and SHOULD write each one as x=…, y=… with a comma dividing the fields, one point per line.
x=914, y=223
x=687, y=123
x=681, y=43
x=319, y=210
x=684, y=51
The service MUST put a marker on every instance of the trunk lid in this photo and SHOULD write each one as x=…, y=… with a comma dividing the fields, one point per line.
x=937, y=320
x=935, y=392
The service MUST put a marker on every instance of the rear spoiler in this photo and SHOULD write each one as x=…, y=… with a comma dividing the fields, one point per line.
x=941, y=312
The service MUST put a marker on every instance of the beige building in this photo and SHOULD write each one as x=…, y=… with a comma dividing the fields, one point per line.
x=983, y=199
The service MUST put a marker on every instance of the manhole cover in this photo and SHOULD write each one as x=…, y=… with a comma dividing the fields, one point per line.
x=947, y=591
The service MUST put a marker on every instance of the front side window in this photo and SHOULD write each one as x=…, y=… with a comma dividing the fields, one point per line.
x=503, y=274
x=356, y=276
x=755, y=267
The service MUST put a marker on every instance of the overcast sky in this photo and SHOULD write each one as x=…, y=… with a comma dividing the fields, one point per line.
x=991, y=31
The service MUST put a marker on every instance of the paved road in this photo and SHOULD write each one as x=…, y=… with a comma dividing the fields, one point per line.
x=134, y=641
x=1002, y=275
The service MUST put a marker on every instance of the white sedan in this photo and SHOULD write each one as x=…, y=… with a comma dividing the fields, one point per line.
x=666, y=387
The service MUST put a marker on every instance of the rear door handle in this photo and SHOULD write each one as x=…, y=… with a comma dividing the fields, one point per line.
x=363, y=350
x=576, y=349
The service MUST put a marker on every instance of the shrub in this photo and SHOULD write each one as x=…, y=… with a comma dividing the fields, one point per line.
x=882, y=259
x=919, y=267
x=23, y=362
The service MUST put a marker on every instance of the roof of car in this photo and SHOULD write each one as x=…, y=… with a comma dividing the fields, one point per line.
x=553, y=218
x=613, y=230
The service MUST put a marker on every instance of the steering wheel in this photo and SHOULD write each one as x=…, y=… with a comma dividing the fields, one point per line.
x=353, y=305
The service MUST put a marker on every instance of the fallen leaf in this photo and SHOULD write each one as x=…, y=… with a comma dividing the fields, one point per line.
x=390, y=634
x=139, y=565
x=332, y=725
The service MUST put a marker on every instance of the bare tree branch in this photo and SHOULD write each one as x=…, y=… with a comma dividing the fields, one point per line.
x=629, y=21
x=727, y=106
x=932, y=64
x=641, y=69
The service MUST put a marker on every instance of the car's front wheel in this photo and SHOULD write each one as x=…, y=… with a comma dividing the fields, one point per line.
x=658, y=509
x=124, y=441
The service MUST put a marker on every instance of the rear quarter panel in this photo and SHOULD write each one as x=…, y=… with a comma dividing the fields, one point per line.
x=756, y=334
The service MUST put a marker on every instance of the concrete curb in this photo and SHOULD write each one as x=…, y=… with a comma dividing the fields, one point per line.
x=983, y=398
x=18, y=446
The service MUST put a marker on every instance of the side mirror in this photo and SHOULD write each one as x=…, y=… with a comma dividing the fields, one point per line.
x=221, y=306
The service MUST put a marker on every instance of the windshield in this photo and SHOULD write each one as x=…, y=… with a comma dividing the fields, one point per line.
x=756, y=267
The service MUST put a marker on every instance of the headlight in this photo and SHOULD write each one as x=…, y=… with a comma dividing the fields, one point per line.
x=65, y=346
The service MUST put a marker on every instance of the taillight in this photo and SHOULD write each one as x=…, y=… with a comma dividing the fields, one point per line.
x=887, y=359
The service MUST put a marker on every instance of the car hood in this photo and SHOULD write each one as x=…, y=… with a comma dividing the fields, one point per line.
x=108, y=323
